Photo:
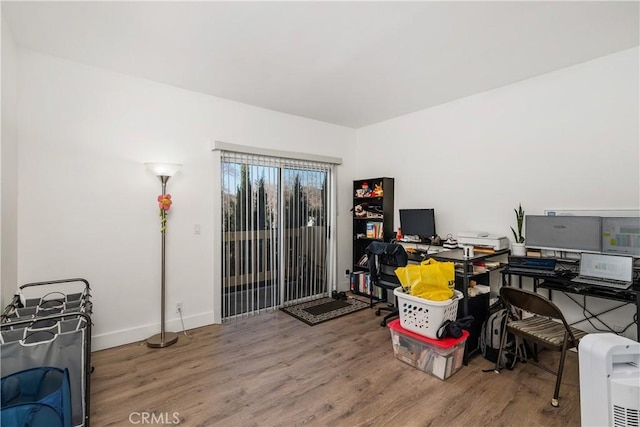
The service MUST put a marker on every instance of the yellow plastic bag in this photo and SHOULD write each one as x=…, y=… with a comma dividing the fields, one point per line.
x=409, y=275
x=430, y=280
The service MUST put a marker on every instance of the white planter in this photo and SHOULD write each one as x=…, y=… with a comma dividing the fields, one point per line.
x=518, y=249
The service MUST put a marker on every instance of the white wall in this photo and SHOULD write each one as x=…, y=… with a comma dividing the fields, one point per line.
x=87, y=204
x=9, y=168
x=563, y=140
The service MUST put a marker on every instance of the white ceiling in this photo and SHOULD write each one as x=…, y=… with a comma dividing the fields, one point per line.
x=349, y=63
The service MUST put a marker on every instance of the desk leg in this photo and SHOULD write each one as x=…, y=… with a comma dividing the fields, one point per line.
x=465, y=305
x=638, y=316
x=465, y=294
x=550, y=293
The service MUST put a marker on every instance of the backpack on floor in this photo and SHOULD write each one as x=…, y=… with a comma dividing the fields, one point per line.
x=490, y=336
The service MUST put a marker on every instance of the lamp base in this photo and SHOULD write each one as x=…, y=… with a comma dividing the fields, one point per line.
x=156, y=341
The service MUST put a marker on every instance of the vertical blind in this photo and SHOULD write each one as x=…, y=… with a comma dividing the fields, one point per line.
x=275, y=232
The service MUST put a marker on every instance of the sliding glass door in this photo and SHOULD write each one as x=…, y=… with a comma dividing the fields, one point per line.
x=275, y=238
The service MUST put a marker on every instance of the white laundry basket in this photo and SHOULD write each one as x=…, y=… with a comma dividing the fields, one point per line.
x=423, y=316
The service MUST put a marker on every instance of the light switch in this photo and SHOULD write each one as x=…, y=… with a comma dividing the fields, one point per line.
x=196, y=229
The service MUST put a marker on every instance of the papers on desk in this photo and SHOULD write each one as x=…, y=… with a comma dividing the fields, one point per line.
x=483, y=289
x=479, y=267
x=479, y=290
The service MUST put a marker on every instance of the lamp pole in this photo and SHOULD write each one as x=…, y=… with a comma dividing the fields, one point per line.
x=163, y=339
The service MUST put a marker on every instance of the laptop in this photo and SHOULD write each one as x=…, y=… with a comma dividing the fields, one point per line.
x=608, y=271
x=532, y=265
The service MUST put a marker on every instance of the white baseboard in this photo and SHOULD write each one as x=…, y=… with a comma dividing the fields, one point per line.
x=344, y=285
x=141, y=333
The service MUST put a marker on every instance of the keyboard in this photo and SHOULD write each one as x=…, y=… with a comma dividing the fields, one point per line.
x=606, y=283
x=568, y=260
x=415, y=256
x=532, y=271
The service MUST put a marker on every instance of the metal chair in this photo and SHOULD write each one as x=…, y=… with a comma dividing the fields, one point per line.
x=546, y=327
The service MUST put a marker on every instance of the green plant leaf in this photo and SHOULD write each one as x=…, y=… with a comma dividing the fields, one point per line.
x=520, y=222
x=515, y=236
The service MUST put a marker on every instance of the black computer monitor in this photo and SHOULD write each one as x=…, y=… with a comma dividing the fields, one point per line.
x=418, y=222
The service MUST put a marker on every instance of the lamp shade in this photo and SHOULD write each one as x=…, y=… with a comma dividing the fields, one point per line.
x=163, y=169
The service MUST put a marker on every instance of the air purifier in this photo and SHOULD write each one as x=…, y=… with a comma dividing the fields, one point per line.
x=609, y=381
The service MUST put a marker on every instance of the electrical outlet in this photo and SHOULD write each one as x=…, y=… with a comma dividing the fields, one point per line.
x=179, y=307
x=617, y=328
x=346, y=273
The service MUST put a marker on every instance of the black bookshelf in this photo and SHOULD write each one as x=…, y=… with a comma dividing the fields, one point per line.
x=372, y=213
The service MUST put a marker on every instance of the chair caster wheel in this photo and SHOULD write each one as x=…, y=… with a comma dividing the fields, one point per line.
x=554, y=403
x=377, y=312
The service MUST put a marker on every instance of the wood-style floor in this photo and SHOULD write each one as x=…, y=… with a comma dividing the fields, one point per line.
x=273, y=370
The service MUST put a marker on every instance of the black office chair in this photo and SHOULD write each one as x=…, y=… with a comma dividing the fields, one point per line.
x=384, y=258
x=546, y=327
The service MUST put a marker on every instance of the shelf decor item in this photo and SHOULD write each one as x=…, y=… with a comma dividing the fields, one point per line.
x=517, y=247
x=163, y=171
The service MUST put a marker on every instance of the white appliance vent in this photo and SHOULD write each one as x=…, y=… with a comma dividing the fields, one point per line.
x=625, y=417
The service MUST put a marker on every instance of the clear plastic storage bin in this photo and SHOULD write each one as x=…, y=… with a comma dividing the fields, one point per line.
x=440, y=358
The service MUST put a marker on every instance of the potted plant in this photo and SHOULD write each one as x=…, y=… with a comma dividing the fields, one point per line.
x=517, y=247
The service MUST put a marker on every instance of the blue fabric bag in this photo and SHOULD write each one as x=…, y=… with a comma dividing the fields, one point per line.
x=36, y=397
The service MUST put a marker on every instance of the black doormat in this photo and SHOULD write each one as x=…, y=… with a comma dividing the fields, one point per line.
x=324, y=309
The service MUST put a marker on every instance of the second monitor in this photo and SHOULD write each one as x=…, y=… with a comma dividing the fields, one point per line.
x=621, y=235
x=418, y=223
x=566, y=233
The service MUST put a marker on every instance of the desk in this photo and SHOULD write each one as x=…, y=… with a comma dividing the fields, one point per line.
x=566, y=286
x=456, y=256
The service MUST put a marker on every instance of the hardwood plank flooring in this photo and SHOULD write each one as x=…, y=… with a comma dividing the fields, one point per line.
x=273, y=370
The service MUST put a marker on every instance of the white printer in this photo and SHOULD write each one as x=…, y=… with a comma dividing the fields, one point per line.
x=480, y=238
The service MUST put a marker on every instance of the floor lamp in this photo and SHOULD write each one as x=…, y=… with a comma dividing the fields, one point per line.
x=164, y=171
